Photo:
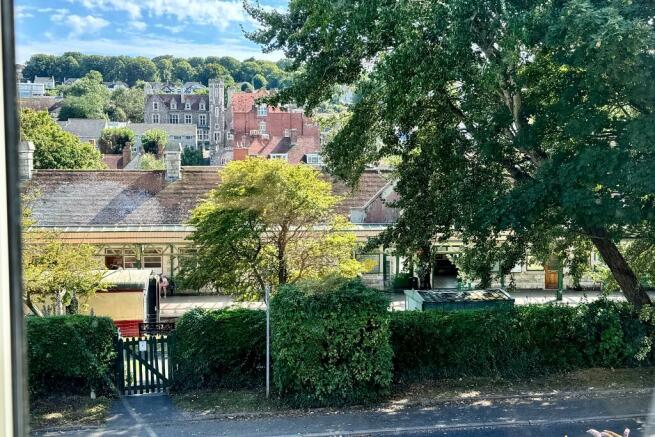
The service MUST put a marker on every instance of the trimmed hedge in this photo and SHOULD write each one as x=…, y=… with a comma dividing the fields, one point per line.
x=331, y=346
x=523, y=341
x=224, y=348
x=70, y=354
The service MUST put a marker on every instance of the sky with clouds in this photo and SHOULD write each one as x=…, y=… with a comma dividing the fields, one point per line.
x=150, y=28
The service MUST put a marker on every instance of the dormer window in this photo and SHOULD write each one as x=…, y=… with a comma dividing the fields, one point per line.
x=155, y=106
x=202, y=106
x=187, y=106
x=173, y=104
x=262, y=127
x=262, y=110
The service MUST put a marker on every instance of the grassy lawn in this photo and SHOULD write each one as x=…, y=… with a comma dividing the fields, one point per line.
x=588, y=381
x=68, y=411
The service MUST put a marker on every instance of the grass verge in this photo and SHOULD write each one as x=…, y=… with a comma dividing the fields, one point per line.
x=57, y=411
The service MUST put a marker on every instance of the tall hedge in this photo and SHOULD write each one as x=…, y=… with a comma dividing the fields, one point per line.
x=331, y=346
x=70, y=354
x=524, y=341
x=223, y=348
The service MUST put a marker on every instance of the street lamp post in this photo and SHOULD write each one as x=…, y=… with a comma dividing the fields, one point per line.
x=268, y=341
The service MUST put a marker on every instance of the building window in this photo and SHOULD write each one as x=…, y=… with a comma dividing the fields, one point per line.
x=155, y=118
x=189, y=137
x=187, y=119
x=155, y=106
x=177, y=137
x=202, y=120
x=187, y=106
x=262, y=110
x=173, y=119
x=202, y=106
x=217, y=136
x=314, y=159
x=152, y=258
x=283, y=156
x=229, y=136
x=287, y=133
x=373, y=260
x=217, y=111
x=262, y=127
x=120, y=259
x=173, y=104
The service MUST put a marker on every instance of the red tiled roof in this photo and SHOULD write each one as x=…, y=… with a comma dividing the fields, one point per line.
x=243, y=102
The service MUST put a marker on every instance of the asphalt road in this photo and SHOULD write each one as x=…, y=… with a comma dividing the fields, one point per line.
x=545, y=416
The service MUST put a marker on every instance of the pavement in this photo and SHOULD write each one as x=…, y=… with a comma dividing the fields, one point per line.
x=553, y=415
x=176, y=306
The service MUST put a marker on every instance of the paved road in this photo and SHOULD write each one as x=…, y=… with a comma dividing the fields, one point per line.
x=545, y=416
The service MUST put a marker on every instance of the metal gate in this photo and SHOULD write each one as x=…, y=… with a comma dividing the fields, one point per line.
x=143, y=364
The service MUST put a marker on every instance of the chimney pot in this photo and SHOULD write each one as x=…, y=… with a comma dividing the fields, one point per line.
x=26, y=159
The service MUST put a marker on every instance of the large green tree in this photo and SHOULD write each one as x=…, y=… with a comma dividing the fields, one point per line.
x=154, y=141
x=127, y=104
x=268, y=222
x=54, y=147
x=86, y=98
x=520, y=126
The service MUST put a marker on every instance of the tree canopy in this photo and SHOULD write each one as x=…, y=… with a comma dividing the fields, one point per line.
x=86, y=98
x=154, y=141
x=114, y=139
x=520, y=127
x=54, y=147
x=268, y=222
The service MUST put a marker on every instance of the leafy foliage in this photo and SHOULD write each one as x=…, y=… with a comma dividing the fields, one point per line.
x=70, y=354
x=154, y=141
x=114, y=139
x=126, y=104
x=86, y=98
x=534, y=119
x=192, y=157
x=269, y=222
x=223, y=348
x=54, y=147
x=148, y=161
x=525, y=341
x=55, y=272
x=331, y=345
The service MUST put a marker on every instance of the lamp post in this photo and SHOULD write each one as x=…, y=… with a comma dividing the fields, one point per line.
x=268, y=340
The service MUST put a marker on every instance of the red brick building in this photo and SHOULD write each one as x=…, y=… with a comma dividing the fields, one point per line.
x=270, y=132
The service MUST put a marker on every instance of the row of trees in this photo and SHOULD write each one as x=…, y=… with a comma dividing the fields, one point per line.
x=162, y=68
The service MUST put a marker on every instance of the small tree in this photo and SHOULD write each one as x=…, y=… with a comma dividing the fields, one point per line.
x=114, y=139
x=154, y=141
x=54, y=147
x=192, y=157
x=268, y=222
x=54, y=272
x=148, y=161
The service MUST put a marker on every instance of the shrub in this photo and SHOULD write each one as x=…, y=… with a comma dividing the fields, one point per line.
x=70, y=354
x=331, y=345
x=523, y=341
x=223, y=348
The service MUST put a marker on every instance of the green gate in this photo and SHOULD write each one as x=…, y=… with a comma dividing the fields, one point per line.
x=143, y=364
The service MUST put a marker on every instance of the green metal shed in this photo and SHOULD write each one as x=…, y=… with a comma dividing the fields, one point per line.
x=453, y=300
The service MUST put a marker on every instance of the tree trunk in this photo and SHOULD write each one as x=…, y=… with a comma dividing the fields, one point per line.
x=625, y=277
x=35, y=310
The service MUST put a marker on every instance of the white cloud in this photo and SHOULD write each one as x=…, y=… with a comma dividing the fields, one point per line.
x=80, y=24
x=22, y=12
x=141, y=45
x=217, y=13
x=137, y=25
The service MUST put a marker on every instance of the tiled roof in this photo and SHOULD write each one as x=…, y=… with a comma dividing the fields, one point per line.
x=123, y=198
x=44, y=103
x=170, y=128
x=180, y=100
x=84, y=128
x=243, y=102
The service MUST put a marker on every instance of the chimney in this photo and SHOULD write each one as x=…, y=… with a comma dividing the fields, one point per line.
x=25, y=159
x=293, y=136
x=173, y=162
x=127, y=155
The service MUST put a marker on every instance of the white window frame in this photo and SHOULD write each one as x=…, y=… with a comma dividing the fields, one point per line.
x=173, y=118
x=287, y=133
x=217, y=111
x=155, y=118
x=187, y=106
x=155, y=106
x=284, y=156
x=229, y=136
x=173, y=104
x=262, y=127
x=217, y=136
x=262, y=110
x=202, y=106
x=314, y=159
x=188, y=119
x=202, y=119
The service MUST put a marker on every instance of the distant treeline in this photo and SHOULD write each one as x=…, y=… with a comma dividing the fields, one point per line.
x=255, y=73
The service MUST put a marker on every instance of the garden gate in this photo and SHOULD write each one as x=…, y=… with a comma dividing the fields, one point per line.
x=143, y=364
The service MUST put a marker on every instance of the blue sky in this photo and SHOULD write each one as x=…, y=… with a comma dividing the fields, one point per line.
x=149, y=28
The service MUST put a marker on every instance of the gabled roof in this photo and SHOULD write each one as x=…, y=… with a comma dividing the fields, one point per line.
x=44, y=80
x=132, y=198
x=244, y=102
x=170, y=128
x=83, y=127
x=180, y=100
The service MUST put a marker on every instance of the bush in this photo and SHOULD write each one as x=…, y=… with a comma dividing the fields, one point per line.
x=330, y=346
x=70, y=354
x=224, y=348
x=523, y=341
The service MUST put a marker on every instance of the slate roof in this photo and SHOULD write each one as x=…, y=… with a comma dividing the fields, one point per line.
x=84, y=128
x=170, y=128
x=181, y=99
x=124, y=198
x=42, y=103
